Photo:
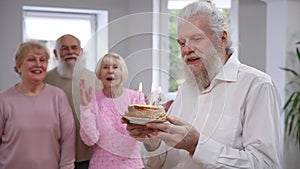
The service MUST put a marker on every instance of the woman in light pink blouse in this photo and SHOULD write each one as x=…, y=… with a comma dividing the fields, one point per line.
x=101, y=114
x=36, y=123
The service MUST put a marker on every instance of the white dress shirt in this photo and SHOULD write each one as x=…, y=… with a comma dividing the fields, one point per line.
x=238, y=118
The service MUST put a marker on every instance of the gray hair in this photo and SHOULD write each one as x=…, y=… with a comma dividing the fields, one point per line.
x=218, y=22
x=116, y=56
x=57, y=43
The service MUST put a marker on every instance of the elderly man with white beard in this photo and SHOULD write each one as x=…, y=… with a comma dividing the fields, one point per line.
x=66, y=76
x=225, y=115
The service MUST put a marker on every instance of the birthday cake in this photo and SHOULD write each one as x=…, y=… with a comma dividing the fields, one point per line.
x=146, y=111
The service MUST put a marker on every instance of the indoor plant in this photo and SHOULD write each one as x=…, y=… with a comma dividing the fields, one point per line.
x=292, y=104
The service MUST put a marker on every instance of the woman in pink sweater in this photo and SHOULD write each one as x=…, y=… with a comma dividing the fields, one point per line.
x=37, y=128
x=101, y=114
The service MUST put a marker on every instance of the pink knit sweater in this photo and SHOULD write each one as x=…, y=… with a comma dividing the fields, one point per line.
x=101, y=128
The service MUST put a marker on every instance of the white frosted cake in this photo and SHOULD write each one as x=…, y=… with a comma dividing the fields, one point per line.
x=146, y=111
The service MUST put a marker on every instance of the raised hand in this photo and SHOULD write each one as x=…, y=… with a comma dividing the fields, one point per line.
x=86, y=96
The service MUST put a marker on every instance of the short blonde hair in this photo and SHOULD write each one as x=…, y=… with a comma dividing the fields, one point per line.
x=25, y=47
x=116, y=56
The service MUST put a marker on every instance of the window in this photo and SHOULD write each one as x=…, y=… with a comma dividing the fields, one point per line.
x=47, y=24
x=174, y=6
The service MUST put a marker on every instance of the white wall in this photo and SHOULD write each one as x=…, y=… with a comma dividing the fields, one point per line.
x=140, y=46
x=252, y=33
x=276, y=39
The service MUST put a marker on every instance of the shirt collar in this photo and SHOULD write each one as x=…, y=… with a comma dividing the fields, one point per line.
x=229, y=72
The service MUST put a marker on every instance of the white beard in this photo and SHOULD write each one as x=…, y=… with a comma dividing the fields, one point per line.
x=211, y=65
x=198, y=79
x=65, y=69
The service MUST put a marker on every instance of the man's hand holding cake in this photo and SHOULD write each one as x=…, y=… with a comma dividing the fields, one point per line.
x=176, y=133
x=152, y=112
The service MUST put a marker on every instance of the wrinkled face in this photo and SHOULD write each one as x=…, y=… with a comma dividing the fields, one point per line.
x=110, y=72
x=200, y=49
x=69, y=50
x=34, y=66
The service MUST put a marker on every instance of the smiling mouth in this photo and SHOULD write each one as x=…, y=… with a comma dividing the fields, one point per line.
x=192, y=60
x=36, y=71
x=71, y=59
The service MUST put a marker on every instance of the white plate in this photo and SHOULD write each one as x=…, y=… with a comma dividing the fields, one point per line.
x=141, y=121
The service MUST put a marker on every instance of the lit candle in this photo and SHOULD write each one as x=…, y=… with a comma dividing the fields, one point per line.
x=140, y=87
x=151, y=95
x=140, y=92
x=158, y=96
